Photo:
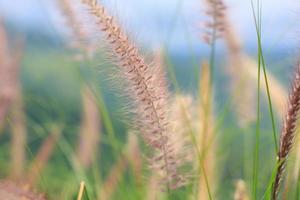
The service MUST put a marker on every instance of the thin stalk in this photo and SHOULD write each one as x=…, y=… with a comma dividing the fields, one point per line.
x=257, y=134
x=267, y=194
x=258, y=26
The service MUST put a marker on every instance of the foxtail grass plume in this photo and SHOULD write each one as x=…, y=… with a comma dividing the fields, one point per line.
x=181, y=118
x=214, y=26
x=72, y=21
x=242, y=71
x=19, y=136
x=182, y=115
x=288, y=132
x=18, y=119
x=206, y=135
x=89, y=135
x=160, y=65
x=146, y=89
x=78, y=34
x=90, y=129
x=9, y=69
x=11, y=100
x=5, y=91
x=79, y=39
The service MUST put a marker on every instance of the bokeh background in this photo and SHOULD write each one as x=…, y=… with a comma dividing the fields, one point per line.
x=53, y=81
x=155, y=21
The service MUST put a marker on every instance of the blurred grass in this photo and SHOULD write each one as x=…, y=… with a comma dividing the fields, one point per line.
x=52, y=95
x=52, y=81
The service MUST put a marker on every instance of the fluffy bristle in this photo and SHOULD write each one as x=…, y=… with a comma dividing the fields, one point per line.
x=77, y=32
x=288, y=131
x=215, y=25
x=148, y=93
x=182, y=116
x=80, y=39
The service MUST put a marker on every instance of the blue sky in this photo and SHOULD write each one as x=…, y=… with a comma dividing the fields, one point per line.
x=152, y=20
